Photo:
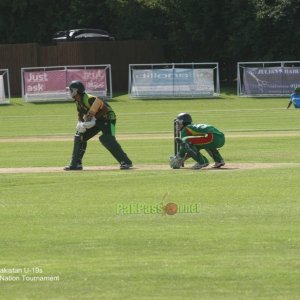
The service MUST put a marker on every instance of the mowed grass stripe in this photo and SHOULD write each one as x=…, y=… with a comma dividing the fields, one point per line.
x=7, y=117
x=151, y=136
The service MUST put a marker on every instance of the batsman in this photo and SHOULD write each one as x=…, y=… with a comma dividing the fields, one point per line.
x=192, y=138
x=94, y=115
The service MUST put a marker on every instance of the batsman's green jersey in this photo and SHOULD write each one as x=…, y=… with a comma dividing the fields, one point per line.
x=83, y=106
x=203, y=136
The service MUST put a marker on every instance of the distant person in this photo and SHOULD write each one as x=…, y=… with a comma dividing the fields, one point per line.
x=295, y=98
x=195, y=137
x=94, y=115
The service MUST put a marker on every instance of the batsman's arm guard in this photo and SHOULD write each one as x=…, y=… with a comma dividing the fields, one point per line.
x=97, y=110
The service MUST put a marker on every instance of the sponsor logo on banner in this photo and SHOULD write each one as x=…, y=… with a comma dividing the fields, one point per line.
x=93, y=79
x=47, y=81
x=163, y=76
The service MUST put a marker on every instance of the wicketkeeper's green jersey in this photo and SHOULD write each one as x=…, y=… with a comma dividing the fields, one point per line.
x=203, y=135
x=199, y=130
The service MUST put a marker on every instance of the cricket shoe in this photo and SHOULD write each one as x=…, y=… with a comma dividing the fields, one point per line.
x=73, y=168
x=218, y=165
x=198, y=166
x=125, y=166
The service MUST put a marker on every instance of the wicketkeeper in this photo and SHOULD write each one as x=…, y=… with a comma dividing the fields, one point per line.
x=94, y=115
x=192, y=139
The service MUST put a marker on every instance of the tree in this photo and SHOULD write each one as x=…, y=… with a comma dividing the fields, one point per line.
x=279, y=29
x=193, y=30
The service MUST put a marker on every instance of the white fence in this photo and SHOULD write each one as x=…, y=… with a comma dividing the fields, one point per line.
x=49, y=83
x=4, y=86
x=267, y=79
x=186, y=80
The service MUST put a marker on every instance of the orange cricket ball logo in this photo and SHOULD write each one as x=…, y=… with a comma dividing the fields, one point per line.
x=171, y=209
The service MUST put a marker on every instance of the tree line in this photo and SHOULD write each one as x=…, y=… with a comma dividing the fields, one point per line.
x=224, y=31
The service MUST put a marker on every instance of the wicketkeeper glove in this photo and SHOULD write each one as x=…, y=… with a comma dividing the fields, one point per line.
x=175, y=162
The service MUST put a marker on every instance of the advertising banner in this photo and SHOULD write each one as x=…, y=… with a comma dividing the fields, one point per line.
x=51, y=84
x=172, y=82
x=2, y=91
x=272, y=80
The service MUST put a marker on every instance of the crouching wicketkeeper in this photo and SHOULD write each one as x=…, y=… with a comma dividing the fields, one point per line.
x=94, y=115
x=193, y=138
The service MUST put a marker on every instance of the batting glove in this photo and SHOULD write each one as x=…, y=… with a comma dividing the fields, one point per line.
x=89, y=124
x=80, y=128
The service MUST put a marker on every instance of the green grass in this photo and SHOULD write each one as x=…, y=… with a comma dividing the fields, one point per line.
x=243, y=244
